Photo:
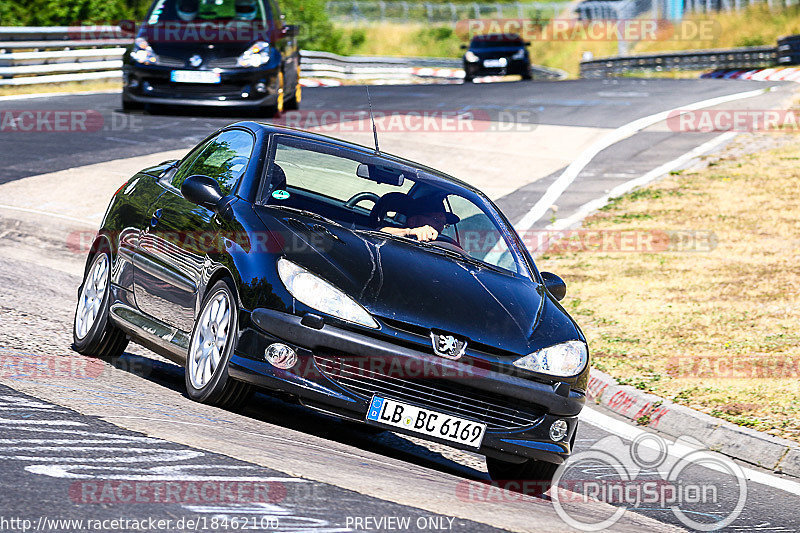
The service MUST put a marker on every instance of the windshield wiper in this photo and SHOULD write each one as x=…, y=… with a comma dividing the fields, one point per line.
x=459, y=256
x=464, y=257
x=309, y=214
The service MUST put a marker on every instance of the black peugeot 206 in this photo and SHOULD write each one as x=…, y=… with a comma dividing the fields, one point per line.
x=220, y=53
x=496, y=54
x=367, y=286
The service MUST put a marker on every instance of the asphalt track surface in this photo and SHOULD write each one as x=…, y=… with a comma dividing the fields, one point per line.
x=37, y=301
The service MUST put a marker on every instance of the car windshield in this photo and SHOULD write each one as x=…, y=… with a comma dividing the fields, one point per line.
x=209, y=10
x=365, y=192
x=495, y=42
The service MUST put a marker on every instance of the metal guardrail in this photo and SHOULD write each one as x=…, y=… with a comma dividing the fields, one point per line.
x=62, y=54
x=732, y=58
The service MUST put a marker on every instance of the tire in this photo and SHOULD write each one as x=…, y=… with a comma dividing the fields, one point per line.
x=539, y=474
x=293, y=103
x=527, y=76
x=130, y=105
x=206, y=371
x=93, y=334
x=468, y=79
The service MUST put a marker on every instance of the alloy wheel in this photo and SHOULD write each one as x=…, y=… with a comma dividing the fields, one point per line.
x=210, y=339
x=91, y=299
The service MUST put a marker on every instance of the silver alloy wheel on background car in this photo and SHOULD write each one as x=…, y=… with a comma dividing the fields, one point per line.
x=210, y=339
x=91, y=299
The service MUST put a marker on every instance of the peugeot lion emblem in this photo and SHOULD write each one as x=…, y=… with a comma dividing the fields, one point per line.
x=448, y=346
x=195, y=60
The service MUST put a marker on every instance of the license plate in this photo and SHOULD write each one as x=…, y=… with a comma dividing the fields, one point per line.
x=494, y=63
x=425, y=421
x=194, y=76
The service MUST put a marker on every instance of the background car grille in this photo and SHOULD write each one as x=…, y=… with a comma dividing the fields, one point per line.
x=497, y=411
x=199, y=89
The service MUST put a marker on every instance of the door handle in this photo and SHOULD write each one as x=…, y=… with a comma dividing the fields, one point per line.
x=156, y=217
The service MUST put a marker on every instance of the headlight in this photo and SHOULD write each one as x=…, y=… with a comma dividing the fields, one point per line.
x=564, y=360
x=321, y=295
x=471, y=57
x=255, y=56
x=519, y=54
x=142, y=52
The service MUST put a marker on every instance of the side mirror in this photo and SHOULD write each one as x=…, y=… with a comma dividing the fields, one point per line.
x=527, y=43
x=464, y=46
x=290, y=30
x=554, y=285
x=203, y=191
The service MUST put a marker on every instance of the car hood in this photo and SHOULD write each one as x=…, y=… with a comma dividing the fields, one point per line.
x=404, y=283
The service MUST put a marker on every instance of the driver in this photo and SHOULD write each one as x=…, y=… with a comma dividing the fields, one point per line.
x=426, y=218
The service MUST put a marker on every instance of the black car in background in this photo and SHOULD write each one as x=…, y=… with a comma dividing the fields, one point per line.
x=214, y=53
x=367, y=286
x=496, y=54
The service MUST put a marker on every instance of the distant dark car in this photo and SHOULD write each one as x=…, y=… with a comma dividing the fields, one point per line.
x=496, y=54
x=216, y=53
x=368, y=286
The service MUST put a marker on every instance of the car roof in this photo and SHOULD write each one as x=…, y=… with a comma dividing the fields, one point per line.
x=498, y=37
x=268, y=128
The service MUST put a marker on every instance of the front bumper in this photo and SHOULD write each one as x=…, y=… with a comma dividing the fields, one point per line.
x=317, y=343
x=514, y=66
x=237, y=88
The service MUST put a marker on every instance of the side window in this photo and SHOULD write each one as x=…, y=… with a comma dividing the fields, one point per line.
x=223, y=158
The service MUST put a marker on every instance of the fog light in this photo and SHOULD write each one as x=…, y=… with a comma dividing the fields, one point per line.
x=280, y=355
x=261, y=87
x=558, y=430
x=133, y=83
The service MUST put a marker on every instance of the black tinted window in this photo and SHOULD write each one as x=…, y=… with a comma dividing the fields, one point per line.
x=223, y=158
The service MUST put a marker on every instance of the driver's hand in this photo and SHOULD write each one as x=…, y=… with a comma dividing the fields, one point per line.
x=424, y=233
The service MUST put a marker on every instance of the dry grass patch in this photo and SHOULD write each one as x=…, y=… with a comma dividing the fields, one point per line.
x=714, y=330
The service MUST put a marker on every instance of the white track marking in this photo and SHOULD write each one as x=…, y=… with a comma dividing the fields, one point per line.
x=54, y=94
x=154, y=474
x=626, y=431
x=4, y=421
x=589, y=207
x=558, y=187
x=48, y=214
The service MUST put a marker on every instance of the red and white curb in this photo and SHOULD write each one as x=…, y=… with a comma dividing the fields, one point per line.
x=759, y=74
x=654, y=412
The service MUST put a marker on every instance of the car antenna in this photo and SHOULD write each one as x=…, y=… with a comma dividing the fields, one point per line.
x=372, y=118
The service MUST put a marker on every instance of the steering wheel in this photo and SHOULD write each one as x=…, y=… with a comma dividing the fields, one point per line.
x=443, y=241
x=360, y=197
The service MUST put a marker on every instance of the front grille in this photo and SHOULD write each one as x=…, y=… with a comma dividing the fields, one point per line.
x=197, y=89
x=498, y=412
x=222, y=62
x=167, y=61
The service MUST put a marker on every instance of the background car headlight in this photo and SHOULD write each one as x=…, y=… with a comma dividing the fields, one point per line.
x=255, y=56
x=321, y=295
x=142, y=52
x=471, y=57
x=519, y=54
x=564, y=360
